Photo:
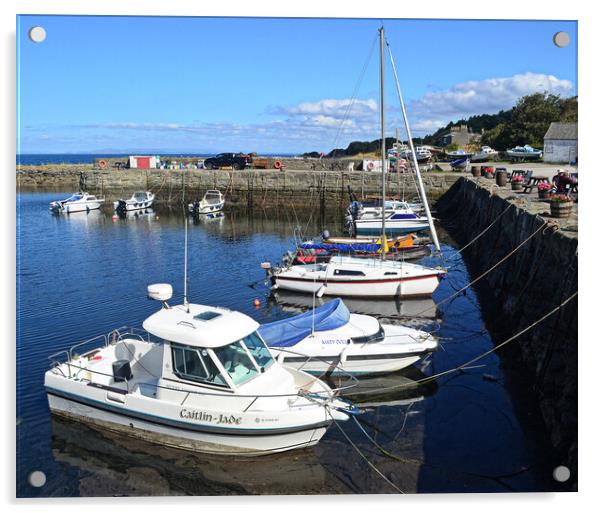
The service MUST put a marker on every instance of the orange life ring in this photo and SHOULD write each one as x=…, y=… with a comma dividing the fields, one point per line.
x=370, y=166
x=277, y=164
x=102, y=164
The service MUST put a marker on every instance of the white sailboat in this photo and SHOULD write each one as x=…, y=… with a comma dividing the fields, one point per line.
x=366, y=277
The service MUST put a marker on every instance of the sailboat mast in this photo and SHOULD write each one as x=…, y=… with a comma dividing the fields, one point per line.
x=415, y=159
x=383, y=142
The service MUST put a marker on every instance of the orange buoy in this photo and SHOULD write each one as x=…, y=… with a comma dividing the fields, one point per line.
x=257, y=303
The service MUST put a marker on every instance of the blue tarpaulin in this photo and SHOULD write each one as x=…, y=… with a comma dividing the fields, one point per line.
x=288, y=332
x=344, y=248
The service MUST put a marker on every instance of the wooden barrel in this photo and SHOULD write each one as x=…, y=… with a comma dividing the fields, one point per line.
x=501, y=178
x=475, y=170
x=561, y=208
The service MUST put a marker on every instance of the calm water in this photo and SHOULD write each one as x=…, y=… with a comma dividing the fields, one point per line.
x=82, y=275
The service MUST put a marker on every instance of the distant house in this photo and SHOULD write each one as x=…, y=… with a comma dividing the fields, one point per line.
x=144, y=162
x=460, y=136
x=560, y=143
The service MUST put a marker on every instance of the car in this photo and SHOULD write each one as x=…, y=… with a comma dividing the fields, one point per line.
x=233, y=160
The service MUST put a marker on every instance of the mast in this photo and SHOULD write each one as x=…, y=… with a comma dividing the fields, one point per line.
x=382, y=135
x=414, y=159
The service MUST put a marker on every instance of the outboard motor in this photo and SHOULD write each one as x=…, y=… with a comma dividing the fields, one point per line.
x=121, y=207
x=354, y=209
x=325, y=235
x=196, y=207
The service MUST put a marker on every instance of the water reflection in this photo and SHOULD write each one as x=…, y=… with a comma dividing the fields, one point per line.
x=114, y=464
x=389, y=310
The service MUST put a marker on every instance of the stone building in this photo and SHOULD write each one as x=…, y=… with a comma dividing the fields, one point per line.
x=560, y=143
x=460, y=135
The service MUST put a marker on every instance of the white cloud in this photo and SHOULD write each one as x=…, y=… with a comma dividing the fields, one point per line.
x=325, y=124
x=486, y=96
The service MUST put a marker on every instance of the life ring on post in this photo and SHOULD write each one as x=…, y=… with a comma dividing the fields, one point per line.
x=277, y=164
x=370, y=166
x=102, y=164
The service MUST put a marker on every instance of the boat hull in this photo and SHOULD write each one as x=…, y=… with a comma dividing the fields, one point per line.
x=353, y=364
x=181, y=438
x=374, y=228
x=76, y=207
x=420, y=286
x=124, y=206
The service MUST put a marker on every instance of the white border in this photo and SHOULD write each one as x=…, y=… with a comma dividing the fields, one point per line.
x=589, y=94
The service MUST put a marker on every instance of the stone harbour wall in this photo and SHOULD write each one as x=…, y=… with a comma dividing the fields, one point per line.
x=538, y=277
x=253, y=187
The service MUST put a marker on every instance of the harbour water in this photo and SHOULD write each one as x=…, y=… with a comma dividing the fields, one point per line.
x=84, y=274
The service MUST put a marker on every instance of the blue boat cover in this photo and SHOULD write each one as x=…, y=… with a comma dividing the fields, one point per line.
x=288, y=332
x=345, y=248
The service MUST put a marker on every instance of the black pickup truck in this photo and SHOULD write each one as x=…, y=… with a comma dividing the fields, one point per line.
x=234, y=160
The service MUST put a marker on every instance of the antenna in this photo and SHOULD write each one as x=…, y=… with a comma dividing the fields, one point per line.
x=186, y=304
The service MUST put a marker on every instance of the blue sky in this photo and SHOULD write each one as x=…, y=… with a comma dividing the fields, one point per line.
x=119, y=84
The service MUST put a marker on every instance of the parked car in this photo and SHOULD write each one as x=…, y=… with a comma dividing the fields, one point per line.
x=234, y=160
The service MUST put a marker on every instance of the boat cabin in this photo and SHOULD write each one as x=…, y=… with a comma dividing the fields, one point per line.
x=215, y=347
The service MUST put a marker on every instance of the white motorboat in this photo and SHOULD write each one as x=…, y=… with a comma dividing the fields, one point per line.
x=400, y=218
x=356, y=276
x=423, y=154
x=212, y=202
x=484, y=154
x=78, y=202
x=198, y=378
x=525, y=152
x=330, y=339
x=140, y=200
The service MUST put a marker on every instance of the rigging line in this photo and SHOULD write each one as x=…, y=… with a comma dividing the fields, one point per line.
x=484, y=231
x=544, y=225
x=475, y=359
x=355, y=92
x=357, y=449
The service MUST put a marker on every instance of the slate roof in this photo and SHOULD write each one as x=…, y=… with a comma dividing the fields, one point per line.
x=561, y=131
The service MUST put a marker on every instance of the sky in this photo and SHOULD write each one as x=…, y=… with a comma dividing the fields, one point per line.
x=167, y=85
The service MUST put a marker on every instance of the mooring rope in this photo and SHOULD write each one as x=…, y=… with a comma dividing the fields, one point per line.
x=358, y=450
x=473, y=360
x=460, y=291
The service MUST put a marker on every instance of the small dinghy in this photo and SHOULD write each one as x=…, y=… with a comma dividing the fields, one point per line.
x=330, y=339
x=78, y=202
x=212, y=202
x=139, y=201
x=198, y=378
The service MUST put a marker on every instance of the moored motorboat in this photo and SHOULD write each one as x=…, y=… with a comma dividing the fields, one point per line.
x=367, y=221
x=140, y=200
x=78, y=202
x=198, y=378
x=212, y=202
x=331, y=339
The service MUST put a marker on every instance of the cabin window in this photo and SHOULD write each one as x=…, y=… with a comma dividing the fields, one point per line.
x=379, y=336
x=237, y=363
x=191, y=363
x=346, y=272
x=258, y=350
x=91, y=198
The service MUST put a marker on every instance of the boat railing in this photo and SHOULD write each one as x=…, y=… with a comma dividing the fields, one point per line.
x=76, y=370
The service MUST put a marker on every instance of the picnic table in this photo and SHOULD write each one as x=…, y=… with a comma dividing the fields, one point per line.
x=534, y=181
